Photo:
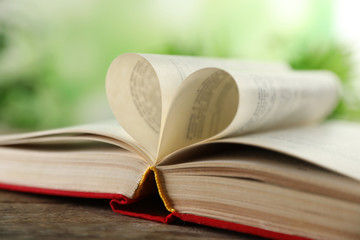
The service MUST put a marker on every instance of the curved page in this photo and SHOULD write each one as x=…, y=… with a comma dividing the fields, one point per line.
x=109, y=132
x=140, y=88
x=334, y=145
x=214, y=103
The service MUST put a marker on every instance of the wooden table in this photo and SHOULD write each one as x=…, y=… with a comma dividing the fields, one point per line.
x=30, y=216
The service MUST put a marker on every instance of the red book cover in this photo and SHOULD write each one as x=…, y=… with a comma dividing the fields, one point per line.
x=145, y=209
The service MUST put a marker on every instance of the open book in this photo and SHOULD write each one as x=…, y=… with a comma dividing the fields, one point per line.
x=225, y=143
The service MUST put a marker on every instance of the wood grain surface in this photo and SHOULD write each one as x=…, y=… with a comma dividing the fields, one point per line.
x=30, y=216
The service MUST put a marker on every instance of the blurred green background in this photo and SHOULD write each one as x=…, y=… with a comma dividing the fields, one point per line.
x=54, y=54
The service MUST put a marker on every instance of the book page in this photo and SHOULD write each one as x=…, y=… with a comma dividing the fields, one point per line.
x=90, y=167
x=109, y=132
x=214, y=103
x=233, y=160
x=334, y=145
x=140, y=88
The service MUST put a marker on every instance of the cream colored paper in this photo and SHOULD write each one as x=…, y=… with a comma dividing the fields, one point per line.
x=334, y=145
x=140, y=89
x=235, y=103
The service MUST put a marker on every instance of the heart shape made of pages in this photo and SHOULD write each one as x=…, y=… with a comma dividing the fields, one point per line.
x=164, y=110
